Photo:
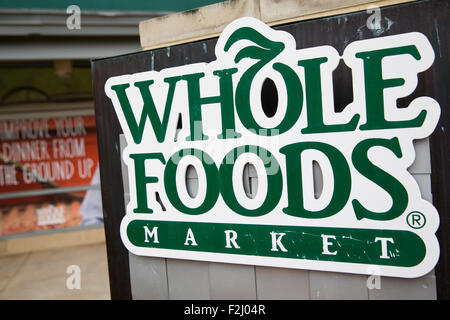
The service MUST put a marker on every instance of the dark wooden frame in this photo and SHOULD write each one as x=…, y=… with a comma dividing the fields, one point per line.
x=428, y=17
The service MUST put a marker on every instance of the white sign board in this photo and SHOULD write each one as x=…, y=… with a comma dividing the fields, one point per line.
x=370, y=213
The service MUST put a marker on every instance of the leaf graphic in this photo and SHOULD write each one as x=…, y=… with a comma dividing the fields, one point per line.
x=265, y=49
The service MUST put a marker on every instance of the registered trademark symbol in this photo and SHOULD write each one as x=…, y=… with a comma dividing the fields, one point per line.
x=416, y=220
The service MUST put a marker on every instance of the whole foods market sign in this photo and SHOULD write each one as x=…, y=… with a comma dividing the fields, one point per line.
x=370, y=212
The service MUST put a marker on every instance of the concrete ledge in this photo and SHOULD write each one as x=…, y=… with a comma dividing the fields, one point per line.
x=195, y=23
x=52, y=241
x=274, y=12
x=209, y=21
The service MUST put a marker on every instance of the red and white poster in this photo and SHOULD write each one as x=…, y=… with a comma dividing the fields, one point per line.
x=48, y=168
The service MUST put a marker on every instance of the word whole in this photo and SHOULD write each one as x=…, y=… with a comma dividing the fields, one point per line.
x=368, y=211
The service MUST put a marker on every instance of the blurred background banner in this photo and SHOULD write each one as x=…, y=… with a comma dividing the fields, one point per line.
x=47, y=166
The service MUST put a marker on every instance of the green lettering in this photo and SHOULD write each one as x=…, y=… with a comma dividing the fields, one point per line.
x=375, y=84
x=341, y=174
x=391, y=185
x=142, y=180
x=274, y=181
x=314, y=109
x=212, y=186
x=148, y=109
x=225, y=98
x=294, y=100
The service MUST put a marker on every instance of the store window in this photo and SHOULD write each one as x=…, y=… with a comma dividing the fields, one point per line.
x=49, y=175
